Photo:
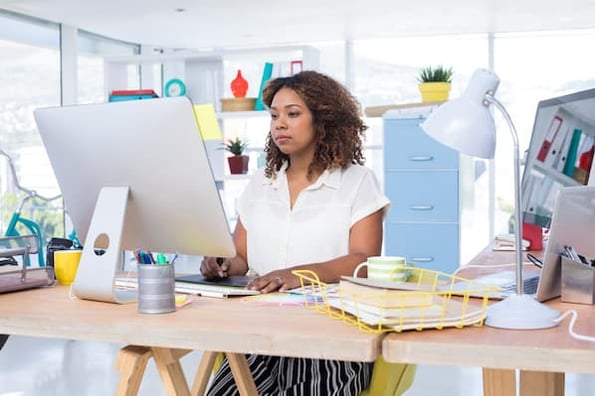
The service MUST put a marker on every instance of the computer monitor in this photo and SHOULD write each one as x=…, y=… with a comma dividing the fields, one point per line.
x=560, y=153
x=133, y=174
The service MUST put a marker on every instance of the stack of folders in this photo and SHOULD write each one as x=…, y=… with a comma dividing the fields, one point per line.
x=507, y=242
x=402, y=306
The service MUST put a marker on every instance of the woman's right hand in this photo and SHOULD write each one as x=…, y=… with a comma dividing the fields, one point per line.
x=215, y=267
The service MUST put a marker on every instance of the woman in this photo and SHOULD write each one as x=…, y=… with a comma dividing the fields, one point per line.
x=314, y=207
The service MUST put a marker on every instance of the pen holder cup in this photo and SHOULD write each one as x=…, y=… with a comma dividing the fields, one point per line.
x=156, y=289
x=578, y=282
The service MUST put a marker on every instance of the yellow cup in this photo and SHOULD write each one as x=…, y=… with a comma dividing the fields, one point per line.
x=66, y=263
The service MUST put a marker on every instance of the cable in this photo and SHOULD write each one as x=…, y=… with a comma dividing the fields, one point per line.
x=571, y=326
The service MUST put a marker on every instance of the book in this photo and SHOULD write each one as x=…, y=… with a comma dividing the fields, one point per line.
x=571, y=157
x=371, y=296
x=507, y=242
x=121, y=98
x=208, y=124
x=267, y=72
x=445, y=312
x=119, y=95
x=134, y=92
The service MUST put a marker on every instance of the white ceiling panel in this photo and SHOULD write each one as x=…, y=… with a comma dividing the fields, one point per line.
x=207, y=24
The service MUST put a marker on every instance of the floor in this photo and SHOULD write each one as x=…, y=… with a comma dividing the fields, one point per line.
x=49, y=367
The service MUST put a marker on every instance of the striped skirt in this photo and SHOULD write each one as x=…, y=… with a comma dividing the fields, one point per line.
x=277, y=375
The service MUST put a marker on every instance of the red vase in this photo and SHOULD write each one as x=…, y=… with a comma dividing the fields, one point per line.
x=239, y=86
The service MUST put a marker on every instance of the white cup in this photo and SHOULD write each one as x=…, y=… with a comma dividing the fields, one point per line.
x=384, y=268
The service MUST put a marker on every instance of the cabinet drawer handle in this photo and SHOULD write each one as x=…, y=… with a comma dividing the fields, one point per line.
x=421, y=259
x=421, y=207
x=421, y=158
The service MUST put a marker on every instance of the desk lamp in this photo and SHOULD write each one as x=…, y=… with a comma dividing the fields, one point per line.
x=466, y=125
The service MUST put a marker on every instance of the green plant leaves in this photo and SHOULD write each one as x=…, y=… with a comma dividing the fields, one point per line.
x=435, y=74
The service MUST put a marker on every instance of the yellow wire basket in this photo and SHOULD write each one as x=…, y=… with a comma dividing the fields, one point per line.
x=428, y=300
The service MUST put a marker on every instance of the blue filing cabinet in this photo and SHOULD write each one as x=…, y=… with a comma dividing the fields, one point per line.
x=422, y=181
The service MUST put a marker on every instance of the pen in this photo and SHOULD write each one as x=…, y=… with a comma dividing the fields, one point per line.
x=221, y=260
x=161, y=260
x=174, y=258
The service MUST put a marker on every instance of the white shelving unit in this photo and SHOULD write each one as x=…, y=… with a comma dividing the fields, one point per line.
x=204, y=75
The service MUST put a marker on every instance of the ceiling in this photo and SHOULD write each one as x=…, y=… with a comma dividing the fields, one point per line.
x=216, y=24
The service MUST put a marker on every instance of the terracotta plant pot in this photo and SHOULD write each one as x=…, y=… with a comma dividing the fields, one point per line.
x=238, y=164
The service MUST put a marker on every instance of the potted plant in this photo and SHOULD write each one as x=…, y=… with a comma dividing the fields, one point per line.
x=238, y=162
x=434, y=83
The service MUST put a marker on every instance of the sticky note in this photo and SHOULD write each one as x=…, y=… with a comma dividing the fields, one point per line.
x=207, y=121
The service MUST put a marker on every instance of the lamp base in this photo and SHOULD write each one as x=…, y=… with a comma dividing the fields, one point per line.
x=521, y=312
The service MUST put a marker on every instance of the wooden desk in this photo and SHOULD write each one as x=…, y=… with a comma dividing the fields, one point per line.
x=541, y=355
x=233, y=326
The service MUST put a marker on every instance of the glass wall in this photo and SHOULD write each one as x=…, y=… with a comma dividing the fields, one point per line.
x=91, y=50
x=384, y=72
x=559, y=63
x=30, y=78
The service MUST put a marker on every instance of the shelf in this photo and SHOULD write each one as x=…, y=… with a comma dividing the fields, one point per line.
x=242, y=114
x=557, y=175
x=245, y=176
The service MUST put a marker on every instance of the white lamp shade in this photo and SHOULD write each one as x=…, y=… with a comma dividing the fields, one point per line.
x=466, y=124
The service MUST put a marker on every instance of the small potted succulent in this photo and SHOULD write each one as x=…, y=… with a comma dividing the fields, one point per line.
x=238, y=162
x=434, y=83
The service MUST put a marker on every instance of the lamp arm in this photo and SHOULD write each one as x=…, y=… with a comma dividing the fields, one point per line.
x=518, y=229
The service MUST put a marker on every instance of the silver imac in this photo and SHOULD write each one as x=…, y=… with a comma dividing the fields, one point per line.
x=133, y=174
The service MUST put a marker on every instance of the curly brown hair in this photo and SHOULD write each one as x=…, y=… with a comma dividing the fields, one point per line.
x=338, y=127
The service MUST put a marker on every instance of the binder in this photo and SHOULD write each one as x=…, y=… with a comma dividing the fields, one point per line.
x=558, y=150
x=572, y=152
x=549, y=138
x=564, y=149
x=266, y=76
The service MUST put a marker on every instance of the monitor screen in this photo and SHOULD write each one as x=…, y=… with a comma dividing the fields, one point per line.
x=560, y=153
x=154, y=148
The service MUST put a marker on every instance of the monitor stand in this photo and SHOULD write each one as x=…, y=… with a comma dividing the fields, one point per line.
x=96, y=274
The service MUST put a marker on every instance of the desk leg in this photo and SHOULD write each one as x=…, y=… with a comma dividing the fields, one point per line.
x=205, y=369
x=242, y=374
x=536, y=383
x=131, y=362
x=499, y=382
x=168, y=364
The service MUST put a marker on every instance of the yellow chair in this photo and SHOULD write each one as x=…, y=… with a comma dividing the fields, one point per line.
x=388, y=379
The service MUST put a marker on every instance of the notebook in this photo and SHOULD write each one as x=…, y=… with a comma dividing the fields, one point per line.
x=198, y=285
x=234, y=285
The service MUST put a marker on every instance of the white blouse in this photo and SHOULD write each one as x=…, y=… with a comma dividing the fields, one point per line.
x=317, y=228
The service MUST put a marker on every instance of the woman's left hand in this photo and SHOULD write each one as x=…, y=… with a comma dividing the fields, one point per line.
x=281, y=280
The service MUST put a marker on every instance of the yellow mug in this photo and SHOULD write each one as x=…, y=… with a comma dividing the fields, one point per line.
x=66, y=263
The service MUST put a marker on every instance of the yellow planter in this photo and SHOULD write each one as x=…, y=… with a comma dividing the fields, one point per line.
x=434, y=91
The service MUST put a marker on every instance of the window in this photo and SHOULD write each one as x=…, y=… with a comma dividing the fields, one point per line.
x=91, y=50
x=559, y=63
x=30, y=78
